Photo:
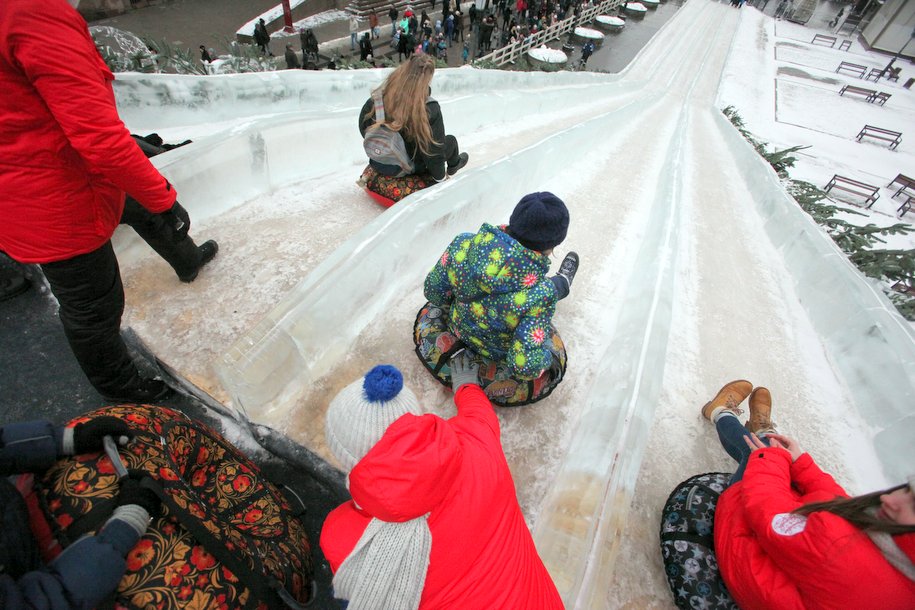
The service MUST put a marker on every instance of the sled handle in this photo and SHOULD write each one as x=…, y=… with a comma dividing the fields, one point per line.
x=111, y=450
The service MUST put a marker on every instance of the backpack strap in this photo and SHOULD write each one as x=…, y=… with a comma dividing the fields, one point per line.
x=378, y=98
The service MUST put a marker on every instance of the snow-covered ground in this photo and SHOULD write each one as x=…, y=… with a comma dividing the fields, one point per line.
x=696, y=268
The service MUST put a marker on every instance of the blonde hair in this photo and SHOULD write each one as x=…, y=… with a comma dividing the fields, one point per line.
x=404, y=92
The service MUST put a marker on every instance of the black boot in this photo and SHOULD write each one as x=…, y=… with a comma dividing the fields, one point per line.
x=12, y=283
x=462, y=161
x=206, y=251
x=140, y=390
x=569, y=267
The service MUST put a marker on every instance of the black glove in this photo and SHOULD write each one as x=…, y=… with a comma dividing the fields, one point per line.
x=179, y=220
x=87, y=436
x=132, y=492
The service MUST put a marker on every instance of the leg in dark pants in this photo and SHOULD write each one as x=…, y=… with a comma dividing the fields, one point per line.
x=452, y=152
x=183, y=255
x=91, y=298
x=731, y=434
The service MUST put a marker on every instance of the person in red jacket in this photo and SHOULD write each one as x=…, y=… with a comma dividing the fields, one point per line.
x=788, y=536
x=434, y=522
x=66, y=161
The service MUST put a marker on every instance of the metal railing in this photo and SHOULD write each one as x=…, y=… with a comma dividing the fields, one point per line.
x=513, y=51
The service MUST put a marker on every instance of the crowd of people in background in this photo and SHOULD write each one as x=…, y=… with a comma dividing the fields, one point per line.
x=475, y=34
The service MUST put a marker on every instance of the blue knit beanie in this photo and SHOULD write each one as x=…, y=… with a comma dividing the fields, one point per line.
x=540, y=221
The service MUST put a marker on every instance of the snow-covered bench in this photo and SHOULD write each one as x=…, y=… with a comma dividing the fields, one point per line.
x=905, y=181
x=879, y=133
x=847, y=66
x=881, y=97
x=869, y=191
x=867, y=93
x=823, y=39
x=906, y=206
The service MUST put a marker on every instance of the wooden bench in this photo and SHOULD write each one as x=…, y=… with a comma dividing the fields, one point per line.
x=879, y=133
x=881, y=97
x=904, y=180
x=823, y=39
x=867, y=93
x=845, y=45
x=853, y=68
x=870, y=192
x=875, y=73
x=906, y=206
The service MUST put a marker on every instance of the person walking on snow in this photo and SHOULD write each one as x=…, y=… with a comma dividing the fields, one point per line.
x=262, y=37
x=494, y=288
x=68, y=161
x=788, y=536
x=292, y=60
x=434, y=520
x=353, y=32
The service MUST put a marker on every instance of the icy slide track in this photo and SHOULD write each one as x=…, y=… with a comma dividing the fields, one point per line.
x=697, y=269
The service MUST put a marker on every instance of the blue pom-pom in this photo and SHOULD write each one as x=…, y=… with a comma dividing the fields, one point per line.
x=382, y=383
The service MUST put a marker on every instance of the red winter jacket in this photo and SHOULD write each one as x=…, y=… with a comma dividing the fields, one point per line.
x=772, y=559
x=483, y=556
x=66, y=158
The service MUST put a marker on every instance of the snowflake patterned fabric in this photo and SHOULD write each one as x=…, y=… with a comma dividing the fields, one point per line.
x=499, y=300
x=687, y=544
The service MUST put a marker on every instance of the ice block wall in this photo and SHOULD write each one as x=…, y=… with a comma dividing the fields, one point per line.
x=869, y=341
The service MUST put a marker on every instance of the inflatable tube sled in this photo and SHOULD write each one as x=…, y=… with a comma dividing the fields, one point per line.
x=435, y=344
x=688, y=545
x=388, y=190
x=226, y=537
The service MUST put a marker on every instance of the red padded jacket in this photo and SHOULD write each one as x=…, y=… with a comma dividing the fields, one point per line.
x=483, y=556
x=66, y=158
x=771, y=558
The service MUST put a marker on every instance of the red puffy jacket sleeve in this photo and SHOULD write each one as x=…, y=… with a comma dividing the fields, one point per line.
x=476, y=415
x=793, y=542
x=51, y=45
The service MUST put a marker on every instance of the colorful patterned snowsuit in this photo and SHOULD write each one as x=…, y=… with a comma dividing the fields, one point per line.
x=500, y=300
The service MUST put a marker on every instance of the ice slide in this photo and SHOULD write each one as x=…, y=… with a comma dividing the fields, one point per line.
x=697, y=269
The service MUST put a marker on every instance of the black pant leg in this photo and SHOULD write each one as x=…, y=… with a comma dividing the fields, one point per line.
x=91, y=296
x=182, y=255
x=452, y=152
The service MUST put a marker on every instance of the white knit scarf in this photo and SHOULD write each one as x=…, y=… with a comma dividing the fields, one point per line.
x=387, y=569
x=893, y=553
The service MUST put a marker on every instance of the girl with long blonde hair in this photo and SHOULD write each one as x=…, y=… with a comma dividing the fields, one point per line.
x=410, y=110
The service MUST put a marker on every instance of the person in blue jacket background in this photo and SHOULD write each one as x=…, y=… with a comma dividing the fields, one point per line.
x=89, y=570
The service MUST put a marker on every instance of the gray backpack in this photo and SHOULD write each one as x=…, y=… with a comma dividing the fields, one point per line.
x=385, y=147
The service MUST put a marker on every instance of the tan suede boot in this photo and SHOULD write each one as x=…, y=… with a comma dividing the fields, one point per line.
x=728, y=397
x=760, y=412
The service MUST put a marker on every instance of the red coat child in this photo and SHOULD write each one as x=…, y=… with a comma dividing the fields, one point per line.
x=773, y=559
x=449, y=478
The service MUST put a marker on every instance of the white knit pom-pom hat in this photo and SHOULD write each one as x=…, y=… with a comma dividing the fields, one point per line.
x=359, y=415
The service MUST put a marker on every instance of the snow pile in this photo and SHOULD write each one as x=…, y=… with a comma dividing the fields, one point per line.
x=589, y=33
x=636, y=7
x=610, y=21
x=548, y=55
x=307, y=23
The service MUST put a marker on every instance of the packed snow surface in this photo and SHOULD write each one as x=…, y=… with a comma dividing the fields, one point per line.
x=696, y=269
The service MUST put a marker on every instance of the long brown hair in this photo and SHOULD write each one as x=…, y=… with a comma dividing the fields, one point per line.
x=405, y=92
x=858, y=512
